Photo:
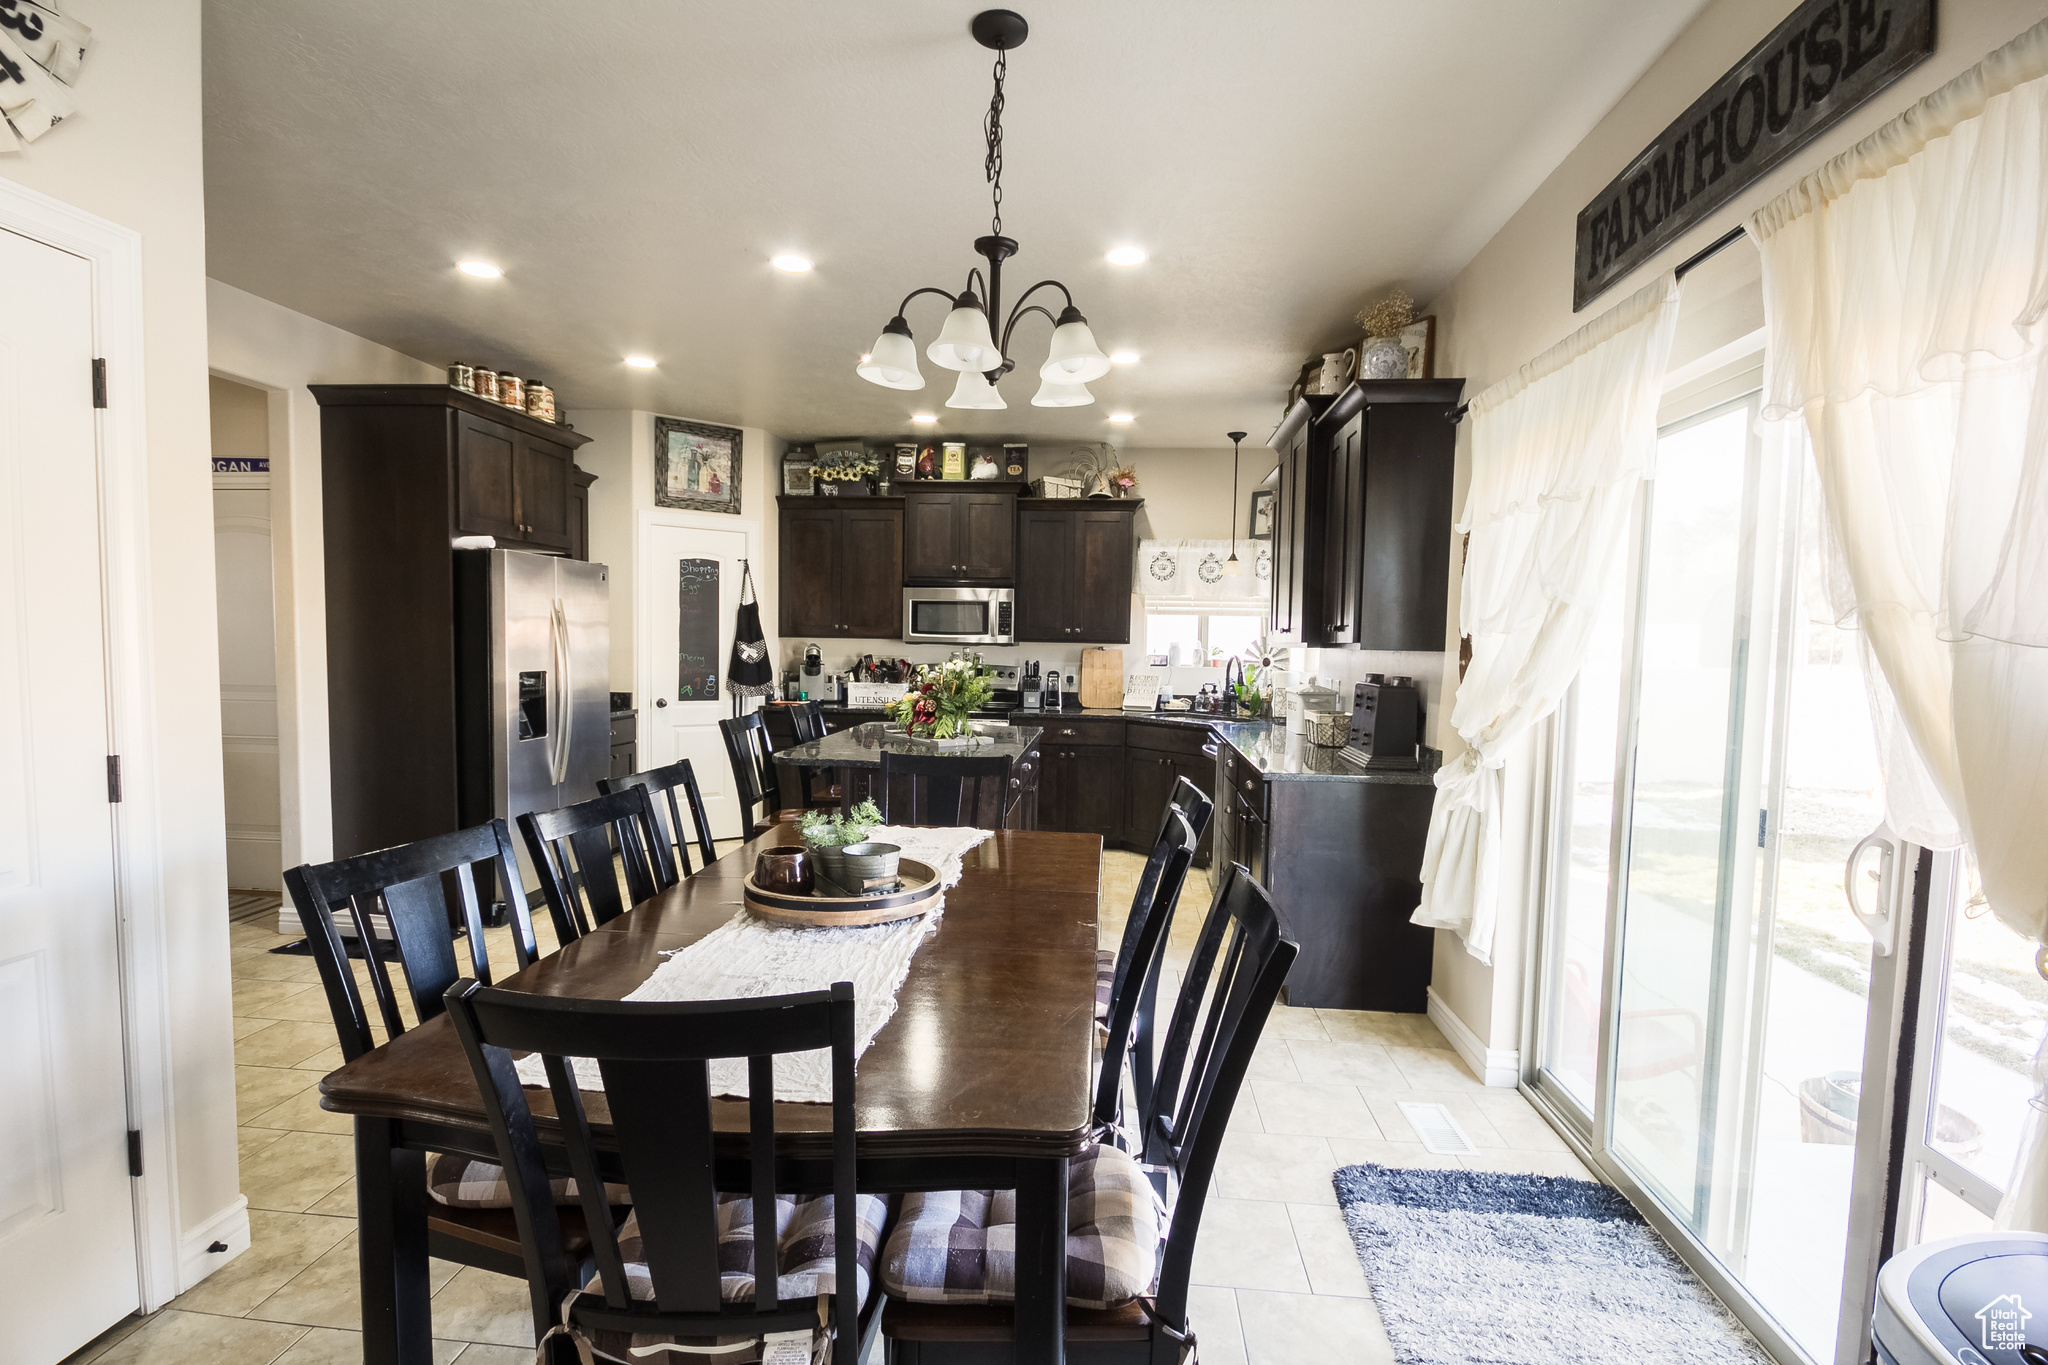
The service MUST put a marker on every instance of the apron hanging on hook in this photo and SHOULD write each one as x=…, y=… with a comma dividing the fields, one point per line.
x=748, y=673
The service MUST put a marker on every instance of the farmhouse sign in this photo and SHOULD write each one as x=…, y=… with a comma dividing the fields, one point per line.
x=1823, y=61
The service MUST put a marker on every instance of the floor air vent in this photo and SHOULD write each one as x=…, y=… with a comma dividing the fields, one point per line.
x=1439, y=1132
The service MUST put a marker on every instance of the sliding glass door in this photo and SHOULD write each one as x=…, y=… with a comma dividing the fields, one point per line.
x=1704, y=991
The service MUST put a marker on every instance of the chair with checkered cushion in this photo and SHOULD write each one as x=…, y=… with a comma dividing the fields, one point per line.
x=1134, y=968
x=685, y=1266
x=409, y=897
x=949, y=1267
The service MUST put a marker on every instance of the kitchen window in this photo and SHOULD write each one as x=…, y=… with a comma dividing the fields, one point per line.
x=1204, y=636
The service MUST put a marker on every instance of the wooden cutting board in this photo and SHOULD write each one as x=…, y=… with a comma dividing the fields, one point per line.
x=1102, y=678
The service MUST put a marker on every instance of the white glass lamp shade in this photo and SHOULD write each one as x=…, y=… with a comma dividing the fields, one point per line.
x=974, y=391
x=964, y=342
x=1054, y=395
x=892, y=363
x=1075, y=358
x=1233, y=567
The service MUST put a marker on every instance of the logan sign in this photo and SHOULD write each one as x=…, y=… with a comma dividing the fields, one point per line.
x=1823, y=61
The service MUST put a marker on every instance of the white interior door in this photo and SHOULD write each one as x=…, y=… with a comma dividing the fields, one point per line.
x=248, y=681
x=67, y=1228
x=690, y=588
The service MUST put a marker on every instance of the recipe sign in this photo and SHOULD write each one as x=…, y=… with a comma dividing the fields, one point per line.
x=1816, y=66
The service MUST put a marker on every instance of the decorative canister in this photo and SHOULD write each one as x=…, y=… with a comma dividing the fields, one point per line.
x=462, y=377
x=484, y=384
x=512, y=391
x=1383, y=358
x=540, y=401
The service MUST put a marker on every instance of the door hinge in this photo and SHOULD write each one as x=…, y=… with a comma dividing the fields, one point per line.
x=113, y=778
x=99, y=382
x=134, y=1152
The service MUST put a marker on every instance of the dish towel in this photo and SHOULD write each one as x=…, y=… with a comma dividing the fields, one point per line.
x=747, y=957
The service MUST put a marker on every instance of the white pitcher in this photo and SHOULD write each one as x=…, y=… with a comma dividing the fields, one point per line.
x=1338, y=368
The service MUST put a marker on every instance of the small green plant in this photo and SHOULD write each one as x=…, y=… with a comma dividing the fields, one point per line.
x=831, y=829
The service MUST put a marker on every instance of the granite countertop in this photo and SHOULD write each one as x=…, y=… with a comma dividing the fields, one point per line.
x=863, y=745
x=1281, y=756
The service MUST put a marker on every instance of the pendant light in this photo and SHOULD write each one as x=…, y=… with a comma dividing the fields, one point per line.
x=967, y=341
x=1233, y=567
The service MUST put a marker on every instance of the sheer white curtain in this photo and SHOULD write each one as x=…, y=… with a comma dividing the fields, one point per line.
x=1904, y=289
x=1558, y=452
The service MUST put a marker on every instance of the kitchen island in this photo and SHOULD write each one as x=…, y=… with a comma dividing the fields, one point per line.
x=856, y=756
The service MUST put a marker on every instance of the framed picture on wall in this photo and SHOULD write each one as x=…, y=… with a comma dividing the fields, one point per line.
x=1260, y=522
x=696, y=466
x=1419, y=337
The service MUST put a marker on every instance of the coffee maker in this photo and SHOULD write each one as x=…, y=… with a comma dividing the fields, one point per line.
x=812, y=679
x=1386, y=722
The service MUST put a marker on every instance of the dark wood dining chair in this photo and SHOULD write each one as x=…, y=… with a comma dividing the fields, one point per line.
x=579, y=852
x=807, y=719
x=756, y=783
x=662, y=785
x=941, y=789
x=1135, y=974
x=419, y=893
x=1127, y=1299
x=658, y=1274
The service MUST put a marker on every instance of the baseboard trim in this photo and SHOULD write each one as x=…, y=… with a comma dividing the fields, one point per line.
x=1493, y=1065
x=231, y=1226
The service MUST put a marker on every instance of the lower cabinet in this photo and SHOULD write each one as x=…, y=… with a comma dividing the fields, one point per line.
x=625, y=725
x=1081, y=789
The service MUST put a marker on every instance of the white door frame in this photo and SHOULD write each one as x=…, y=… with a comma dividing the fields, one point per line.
x=115, y=255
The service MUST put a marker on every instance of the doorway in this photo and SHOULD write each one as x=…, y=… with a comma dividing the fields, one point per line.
x=690, y=591
x=246, y=607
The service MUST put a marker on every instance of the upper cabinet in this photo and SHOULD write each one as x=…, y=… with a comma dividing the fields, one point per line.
x=1074, y=566
x=1362, y=521
x=462, y=463
x=960, y=535
x=841, y=568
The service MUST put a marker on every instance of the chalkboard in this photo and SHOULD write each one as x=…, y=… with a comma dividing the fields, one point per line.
x=697, y=631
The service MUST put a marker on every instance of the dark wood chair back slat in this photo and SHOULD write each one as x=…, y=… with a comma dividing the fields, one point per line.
x=1197, y=808
x=1239, y=964
x=807, y=718
x=662, y=785
x=654, y=1058
x=940, y=789
x=573, y=850
x=754, y=778
x=422, y=891
x=1138, y=960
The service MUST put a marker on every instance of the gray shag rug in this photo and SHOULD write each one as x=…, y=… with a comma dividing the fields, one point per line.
x=1481, y=1268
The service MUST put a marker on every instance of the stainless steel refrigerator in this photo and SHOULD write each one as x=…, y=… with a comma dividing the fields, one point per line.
x=533, y=669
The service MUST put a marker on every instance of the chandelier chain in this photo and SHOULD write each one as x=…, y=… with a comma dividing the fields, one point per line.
x=992, y=129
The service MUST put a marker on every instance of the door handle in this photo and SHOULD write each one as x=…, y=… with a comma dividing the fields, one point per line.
x=1880, y=921
x=661, y=701
x=565, y=690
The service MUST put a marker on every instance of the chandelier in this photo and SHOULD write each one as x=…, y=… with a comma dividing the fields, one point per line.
x=966, y=341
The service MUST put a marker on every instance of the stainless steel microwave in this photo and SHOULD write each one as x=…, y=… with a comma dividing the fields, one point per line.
x=960, y=616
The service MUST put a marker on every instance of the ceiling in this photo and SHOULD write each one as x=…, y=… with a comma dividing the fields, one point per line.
x=633, y=164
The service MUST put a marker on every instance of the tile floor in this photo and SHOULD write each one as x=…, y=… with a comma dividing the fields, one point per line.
x=1276, y=1279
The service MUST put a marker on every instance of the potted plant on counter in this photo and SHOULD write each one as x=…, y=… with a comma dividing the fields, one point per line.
x=826, y=833
x=844, y=471
x=941, y=699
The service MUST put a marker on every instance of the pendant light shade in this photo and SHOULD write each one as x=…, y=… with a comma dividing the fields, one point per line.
x=1054, y=395
x=892, y=360
x=974, y=391
x=1075, y=358
x=964, y=342
x=1233, y=567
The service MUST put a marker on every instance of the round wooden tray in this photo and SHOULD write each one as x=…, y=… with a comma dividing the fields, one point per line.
x=921, y=888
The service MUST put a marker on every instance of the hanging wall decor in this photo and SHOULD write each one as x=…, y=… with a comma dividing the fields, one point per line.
x=696, y=466
x=40, y=53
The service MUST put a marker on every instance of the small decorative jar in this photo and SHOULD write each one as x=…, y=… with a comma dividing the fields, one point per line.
x=485, y=384
x=512, y=391
x=462, y=377
x=1383, y=358
x=540, y=401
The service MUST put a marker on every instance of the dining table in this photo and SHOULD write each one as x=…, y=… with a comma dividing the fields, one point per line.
x=980, y=1079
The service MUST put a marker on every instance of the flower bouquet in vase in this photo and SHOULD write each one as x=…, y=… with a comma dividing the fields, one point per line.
x=941, y=699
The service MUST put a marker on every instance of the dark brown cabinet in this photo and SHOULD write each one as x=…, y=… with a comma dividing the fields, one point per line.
x=842, y=568
x=1362, y=520
x=1156, y=757
x=1081, y=790
x=960, y=536
x=404, y=467
x=579, y=514
x=625, y=743
x=1074, y=565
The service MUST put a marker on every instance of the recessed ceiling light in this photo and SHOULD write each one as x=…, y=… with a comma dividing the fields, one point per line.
x=1127, y=255
x=795, y=265
x=1123, y=358
x=926, y=417
x=482, y=270
x=640, y=362
x=1120, y=417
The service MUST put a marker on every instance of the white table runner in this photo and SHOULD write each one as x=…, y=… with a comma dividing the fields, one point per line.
x=748, y=957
